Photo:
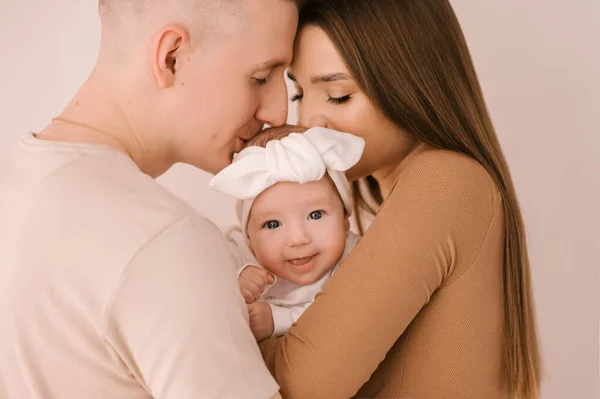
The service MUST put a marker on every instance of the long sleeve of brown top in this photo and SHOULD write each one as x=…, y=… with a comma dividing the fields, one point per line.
x=416, y=309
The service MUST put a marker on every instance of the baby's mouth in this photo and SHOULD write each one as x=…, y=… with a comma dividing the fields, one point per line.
x=301, y=261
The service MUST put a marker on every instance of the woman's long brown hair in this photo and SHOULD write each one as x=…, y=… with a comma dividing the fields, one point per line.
x=411, y=59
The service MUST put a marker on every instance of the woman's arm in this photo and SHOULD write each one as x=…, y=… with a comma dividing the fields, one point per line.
x=442, y=204
x=283, y=317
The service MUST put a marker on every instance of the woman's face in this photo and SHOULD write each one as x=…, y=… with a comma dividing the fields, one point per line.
x=328, y=96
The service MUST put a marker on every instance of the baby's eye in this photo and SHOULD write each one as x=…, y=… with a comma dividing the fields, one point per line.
x=272, y=225
x=316, y=215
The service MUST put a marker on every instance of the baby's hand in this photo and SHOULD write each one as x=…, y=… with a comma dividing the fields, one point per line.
x=253, y=280
x=261, y=320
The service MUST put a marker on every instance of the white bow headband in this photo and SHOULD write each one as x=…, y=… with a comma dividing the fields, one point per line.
x=299, y=157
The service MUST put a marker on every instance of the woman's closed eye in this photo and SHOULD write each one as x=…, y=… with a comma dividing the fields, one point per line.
x=339, y=100
x=272, y=225
x=333, y=100
x=316, y=215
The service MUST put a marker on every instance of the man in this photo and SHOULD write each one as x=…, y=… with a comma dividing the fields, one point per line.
x=110, y=287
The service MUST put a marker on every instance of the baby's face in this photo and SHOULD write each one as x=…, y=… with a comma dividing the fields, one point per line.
x=298, y=231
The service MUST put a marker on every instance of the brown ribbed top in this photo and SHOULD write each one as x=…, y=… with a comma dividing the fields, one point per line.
x=416, y=310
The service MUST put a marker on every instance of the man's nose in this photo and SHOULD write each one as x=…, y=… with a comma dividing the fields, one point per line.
x=273, y=106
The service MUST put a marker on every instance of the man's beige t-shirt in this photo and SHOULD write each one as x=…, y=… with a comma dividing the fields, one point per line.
x=111, y=287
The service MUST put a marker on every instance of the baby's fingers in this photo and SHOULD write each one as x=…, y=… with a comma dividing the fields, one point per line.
x=261, y=277
x=247, y=295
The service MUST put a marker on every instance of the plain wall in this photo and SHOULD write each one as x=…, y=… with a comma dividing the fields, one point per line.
x=539, y=64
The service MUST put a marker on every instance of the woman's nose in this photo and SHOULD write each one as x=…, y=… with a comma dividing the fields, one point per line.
x=309, y=119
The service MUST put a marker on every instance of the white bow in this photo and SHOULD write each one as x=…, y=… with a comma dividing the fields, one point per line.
x=299, y=157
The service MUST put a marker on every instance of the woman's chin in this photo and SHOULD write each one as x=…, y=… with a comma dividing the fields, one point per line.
x=355, y=173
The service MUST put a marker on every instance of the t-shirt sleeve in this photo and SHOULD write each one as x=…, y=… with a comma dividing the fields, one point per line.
x=178, y=322
x=239, y=248
x=442, y=206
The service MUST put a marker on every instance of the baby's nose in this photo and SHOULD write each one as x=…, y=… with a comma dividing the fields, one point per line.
x=299, y=236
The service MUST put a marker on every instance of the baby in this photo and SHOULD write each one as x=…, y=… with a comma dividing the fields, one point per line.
x=294, y=204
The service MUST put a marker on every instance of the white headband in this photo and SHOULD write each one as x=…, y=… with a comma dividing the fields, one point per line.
x=299, y=157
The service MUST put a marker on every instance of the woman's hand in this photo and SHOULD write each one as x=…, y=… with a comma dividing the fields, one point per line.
x=252, y=281
x=261, y=320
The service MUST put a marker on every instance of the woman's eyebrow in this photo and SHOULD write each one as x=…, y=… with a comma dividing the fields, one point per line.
x=330, y=77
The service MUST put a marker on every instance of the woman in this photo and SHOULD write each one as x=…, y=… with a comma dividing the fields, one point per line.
x=435, y=301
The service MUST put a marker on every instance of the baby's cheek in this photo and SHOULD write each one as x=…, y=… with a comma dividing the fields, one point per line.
x=270, y=266
x=269, y=257
x=334, y=235
x=338, y=243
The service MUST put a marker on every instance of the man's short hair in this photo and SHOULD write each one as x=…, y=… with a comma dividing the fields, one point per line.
x=125, y=16
x=111, y=8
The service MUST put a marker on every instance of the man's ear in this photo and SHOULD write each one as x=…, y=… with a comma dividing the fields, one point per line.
x=165, y=57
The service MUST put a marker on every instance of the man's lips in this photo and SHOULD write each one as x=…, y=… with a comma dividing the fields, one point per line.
x=239, y=145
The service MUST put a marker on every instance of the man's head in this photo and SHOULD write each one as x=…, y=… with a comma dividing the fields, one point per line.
x=197, y=78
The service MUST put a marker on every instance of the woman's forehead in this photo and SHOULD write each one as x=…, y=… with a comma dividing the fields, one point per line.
x=315, y=54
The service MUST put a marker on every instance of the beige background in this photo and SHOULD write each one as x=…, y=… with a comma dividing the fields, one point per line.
x=539, y=64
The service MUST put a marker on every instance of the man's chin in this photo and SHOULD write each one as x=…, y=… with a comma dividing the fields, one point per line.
x=218, y=167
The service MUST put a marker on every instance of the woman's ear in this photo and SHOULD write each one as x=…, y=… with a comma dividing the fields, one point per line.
x=166, y=54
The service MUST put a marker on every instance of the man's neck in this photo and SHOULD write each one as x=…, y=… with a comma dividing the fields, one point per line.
x=95, y=108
